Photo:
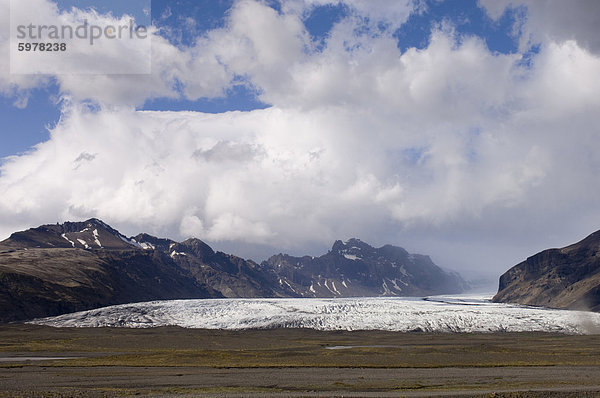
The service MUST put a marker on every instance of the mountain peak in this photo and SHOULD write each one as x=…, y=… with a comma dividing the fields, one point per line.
x=357, y=243
x=97, y=222
x=80, y=226
x=355, y=268
x=89, y=234
x=198, y=247
x=339, y=246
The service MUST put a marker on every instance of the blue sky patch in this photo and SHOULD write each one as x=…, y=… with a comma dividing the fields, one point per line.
x=239, y=98
x=23, y=128
x=466, y=17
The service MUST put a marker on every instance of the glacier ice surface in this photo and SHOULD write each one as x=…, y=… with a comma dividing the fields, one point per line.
x=457, y=313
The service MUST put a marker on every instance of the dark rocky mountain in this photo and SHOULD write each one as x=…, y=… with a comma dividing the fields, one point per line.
x=55, y=269
x=80, y=235
x=566, y=278
x=354, y=268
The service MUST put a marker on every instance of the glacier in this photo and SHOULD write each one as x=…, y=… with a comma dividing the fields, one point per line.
x=455, y=314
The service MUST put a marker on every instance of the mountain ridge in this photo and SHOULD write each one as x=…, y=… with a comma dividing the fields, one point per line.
x=384, y=271
x=567, y=278
x=58, y=268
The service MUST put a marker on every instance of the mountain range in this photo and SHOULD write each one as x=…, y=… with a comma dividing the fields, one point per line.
x=567, y=278
x=61, y=268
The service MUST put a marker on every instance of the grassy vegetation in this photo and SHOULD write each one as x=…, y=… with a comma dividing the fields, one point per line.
x=177, y=347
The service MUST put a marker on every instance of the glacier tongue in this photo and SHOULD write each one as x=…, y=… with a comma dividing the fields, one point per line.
x=462, y=314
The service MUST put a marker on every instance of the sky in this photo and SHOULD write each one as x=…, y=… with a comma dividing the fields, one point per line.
x=463, y=129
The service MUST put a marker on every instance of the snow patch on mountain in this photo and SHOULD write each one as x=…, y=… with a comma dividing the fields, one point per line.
x=83, y=243
x=130, y=241
x=68, y=240
x=96, y=238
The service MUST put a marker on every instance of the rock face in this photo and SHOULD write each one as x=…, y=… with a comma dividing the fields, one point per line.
x=354, y=268
x=566, y=278
x=56, y=269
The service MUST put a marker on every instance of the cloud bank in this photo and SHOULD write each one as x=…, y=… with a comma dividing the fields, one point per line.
x=478, y=158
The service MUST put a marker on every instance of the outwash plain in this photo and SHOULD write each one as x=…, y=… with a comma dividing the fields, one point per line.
x=174, y=362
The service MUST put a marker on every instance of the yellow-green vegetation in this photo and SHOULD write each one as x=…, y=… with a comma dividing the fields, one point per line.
x=177, y=347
